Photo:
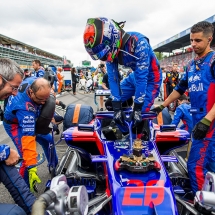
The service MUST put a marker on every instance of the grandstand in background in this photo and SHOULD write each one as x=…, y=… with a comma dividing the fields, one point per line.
x=180, y=42
x=24, y=54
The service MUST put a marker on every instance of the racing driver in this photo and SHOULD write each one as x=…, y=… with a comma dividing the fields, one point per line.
x=105, y=40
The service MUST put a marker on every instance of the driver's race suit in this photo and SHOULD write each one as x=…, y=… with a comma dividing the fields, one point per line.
x=19, y=122
x=200, y=81
x=16, y=186
x=139, y=56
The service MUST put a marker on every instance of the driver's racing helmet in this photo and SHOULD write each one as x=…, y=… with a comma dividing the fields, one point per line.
x=102, y=39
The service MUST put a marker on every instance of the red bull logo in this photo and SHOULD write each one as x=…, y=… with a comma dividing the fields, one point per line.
x=196, y=87
x=194, y=78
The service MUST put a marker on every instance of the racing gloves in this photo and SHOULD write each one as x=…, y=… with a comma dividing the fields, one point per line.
x=62, y=104
x=119, y=115
x=136, y=115
x=33, y=179
x=201, y=128
x=158, y=109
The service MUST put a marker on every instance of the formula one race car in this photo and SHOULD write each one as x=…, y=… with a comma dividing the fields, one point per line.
x=104, y=172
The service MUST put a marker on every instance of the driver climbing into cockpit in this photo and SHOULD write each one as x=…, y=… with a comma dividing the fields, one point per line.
x=104, y=39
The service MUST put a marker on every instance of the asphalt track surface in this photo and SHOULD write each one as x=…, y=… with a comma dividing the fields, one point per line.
x=67, y=98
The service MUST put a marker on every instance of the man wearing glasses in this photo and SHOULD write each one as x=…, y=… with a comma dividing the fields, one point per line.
x=20, y=118
x=9, y=87
x=10, y=78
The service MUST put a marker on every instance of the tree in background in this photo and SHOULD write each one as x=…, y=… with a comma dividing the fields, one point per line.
x=159, y=55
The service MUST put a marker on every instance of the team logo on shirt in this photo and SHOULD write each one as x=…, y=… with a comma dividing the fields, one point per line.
x=133, y=44
x=195, y=83
x=196, y=87
x=28, y=120
x=30, y=107
x=194, y=78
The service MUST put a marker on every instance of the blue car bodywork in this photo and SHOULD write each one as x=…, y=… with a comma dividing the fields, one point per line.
x=133, y=192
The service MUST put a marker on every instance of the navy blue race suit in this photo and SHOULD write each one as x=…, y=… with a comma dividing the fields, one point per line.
x=200, y=81
x=139, y=56
x=16, y=186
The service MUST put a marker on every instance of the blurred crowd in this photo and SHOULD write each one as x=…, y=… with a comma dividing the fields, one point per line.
x=171, y=76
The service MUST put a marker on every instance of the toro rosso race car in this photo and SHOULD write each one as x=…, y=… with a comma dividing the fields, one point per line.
x=107, y=172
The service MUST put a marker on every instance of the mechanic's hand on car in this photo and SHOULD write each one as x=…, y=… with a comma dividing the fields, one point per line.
x=158, y=109
x=136, y=115
x=62, y=104
x=200, y=129
x=33, y=179
x=119, y=115
x=13, y=158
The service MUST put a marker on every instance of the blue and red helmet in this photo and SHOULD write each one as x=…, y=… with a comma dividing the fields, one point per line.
x=102, y=39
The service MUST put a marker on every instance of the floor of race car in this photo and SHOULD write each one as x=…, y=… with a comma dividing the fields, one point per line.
x=43, y=172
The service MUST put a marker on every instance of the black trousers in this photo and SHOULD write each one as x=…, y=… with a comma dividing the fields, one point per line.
x=73, y=87
x=169, y=89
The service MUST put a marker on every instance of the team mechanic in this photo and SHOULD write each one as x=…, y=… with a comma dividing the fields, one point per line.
x=200, y=80
x=38, y=69
x=10, y=78
x=51, y=77
x=182, y=112
x=104, y=39
x=20, y=123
